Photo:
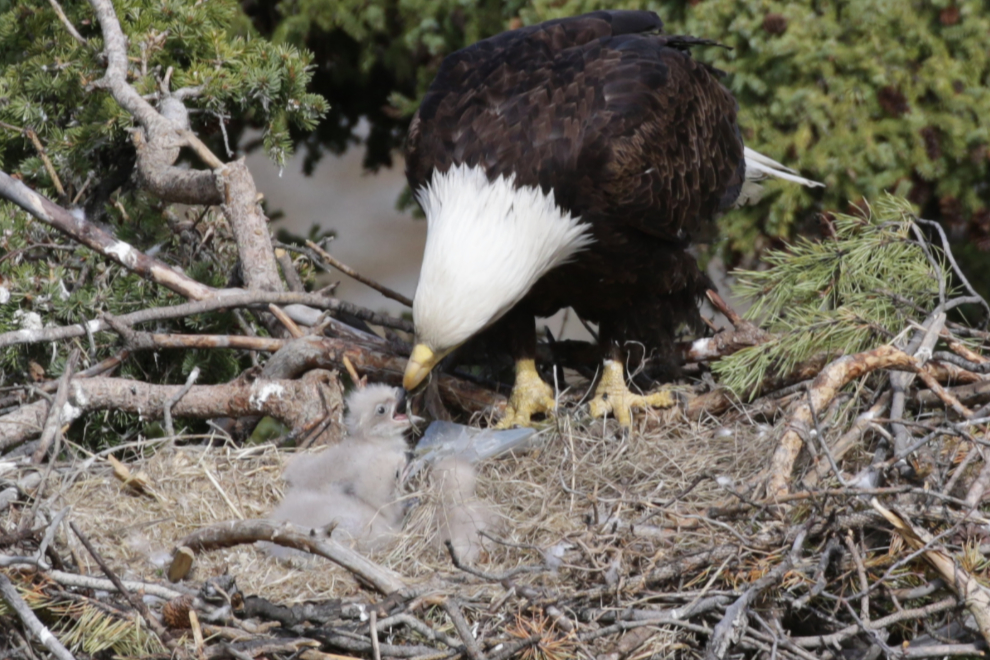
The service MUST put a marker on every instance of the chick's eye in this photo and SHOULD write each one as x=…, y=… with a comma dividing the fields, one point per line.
x=380, y=410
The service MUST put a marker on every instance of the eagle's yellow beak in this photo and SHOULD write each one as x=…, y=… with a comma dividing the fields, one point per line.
x=421, y=362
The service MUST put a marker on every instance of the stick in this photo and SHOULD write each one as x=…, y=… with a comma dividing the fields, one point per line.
x=235, y=532
x=823, y=389
x=41, y=149
x=79, y=229
x=284, y=319
x=65, y=21
x=453, y=610
x=289, y=400
x=376, y=652
x=223, y=300
x=53, y=425
x=167, y=407
x=347, y=270
x=135, y=602
x=974, y=595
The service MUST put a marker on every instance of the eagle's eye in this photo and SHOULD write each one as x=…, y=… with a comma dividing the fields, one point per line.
x=380, y=410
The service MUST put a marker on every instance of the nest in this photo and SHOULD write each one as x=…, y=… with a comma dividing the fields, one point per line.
x=579, y=483
x=610, y=544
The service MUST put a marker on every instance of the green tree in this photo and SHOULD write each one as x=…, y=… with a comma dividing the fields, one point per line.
x=66, y=137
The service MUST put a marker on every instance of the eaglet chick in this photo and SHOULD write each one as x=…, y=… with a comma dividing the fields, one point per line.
x=460, y=515
x=355, y=483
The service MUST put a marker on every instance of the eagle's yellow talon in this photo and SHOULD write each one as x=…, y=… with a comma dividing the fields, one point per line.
x=530, y=395
x=612, y=396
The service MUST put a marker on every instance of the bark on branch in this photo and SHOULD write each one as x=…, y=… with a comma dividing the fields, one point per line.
x=79, y=229
x=159, y=147
x=823, y=389
x=165, y=132
x=297, y=403
x=235, y=532
x=226, y=299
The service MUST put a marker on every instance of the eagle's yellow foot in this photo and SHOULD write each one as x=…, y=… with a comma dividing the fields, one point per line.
x=612, y=396
x=530, y=395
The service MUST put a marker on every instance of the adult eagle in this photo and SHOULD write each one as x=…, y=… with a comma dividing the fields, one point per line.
x=570, y=164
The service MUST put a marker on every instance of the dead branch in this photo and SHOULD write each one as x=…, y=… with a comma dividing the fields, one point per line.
x=850, y=438
x=978, y=488
x=972, y=394
x=70, y=28
x=148, y=341
x=31, y=135
x=53, y=425
x=158, y=144
x=720, y=399
x=236, y=532
x=723, y=343
x=231, y=185
x=297, y=403
x=76, y=227
x=378, y=364
x=242, y=207
x=823, y=389
x=135, y=602
x=347, y=270
x=227, y=299
x=974, y=595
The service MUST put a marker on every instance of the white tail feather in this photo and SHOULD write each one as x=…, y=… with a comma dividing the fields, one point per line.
x=760, y=167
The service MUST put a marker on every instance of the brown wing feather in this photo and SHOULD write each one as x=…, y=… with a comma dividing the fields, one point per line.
x=617, y=120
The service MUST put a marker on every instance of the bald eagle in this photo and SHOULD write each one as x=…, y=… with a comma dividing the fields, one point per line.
x=570, y=164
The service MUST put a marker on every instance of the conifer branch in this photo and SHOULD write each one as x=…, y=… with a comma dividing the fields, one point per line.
x=230, y=185
x=159, y=148
x=9, y=594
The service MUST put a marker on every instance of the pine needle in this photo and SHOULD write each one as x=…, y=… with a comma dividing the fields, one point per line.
x=848, y=293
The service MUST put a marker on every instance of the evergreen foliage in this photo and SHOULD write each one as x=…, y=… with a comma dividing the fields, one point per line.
x=851, y=292
x=84, y=628
x=48, y=280
x=46, y=86
x=46, y=78
x=375, y=58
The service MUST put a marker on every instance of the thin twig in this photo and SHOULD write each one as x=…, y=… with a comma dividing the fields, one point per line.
x=376, y=652
x=453, y=610
x=947, y=251
x=347, y=270
x=53, y=426
x=224, y=300
x=68, y=25
x=167, y=407
x=136, y=602
x=44, y=157
x=864, y=584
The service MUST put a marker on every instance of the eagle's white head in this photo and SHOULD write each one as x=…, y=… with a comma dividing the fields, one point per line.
x=487, y=244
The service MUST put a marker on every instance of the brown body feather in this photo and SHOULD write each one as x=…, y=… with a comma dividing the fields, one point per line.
x=626, y=129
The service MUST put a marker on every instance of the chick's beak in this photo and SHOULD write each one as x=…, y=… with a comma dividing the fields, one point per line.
x=421, y=362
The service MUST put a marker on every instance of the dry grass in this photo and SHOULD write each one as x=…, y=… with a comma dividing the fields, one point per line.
x=583, y=483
